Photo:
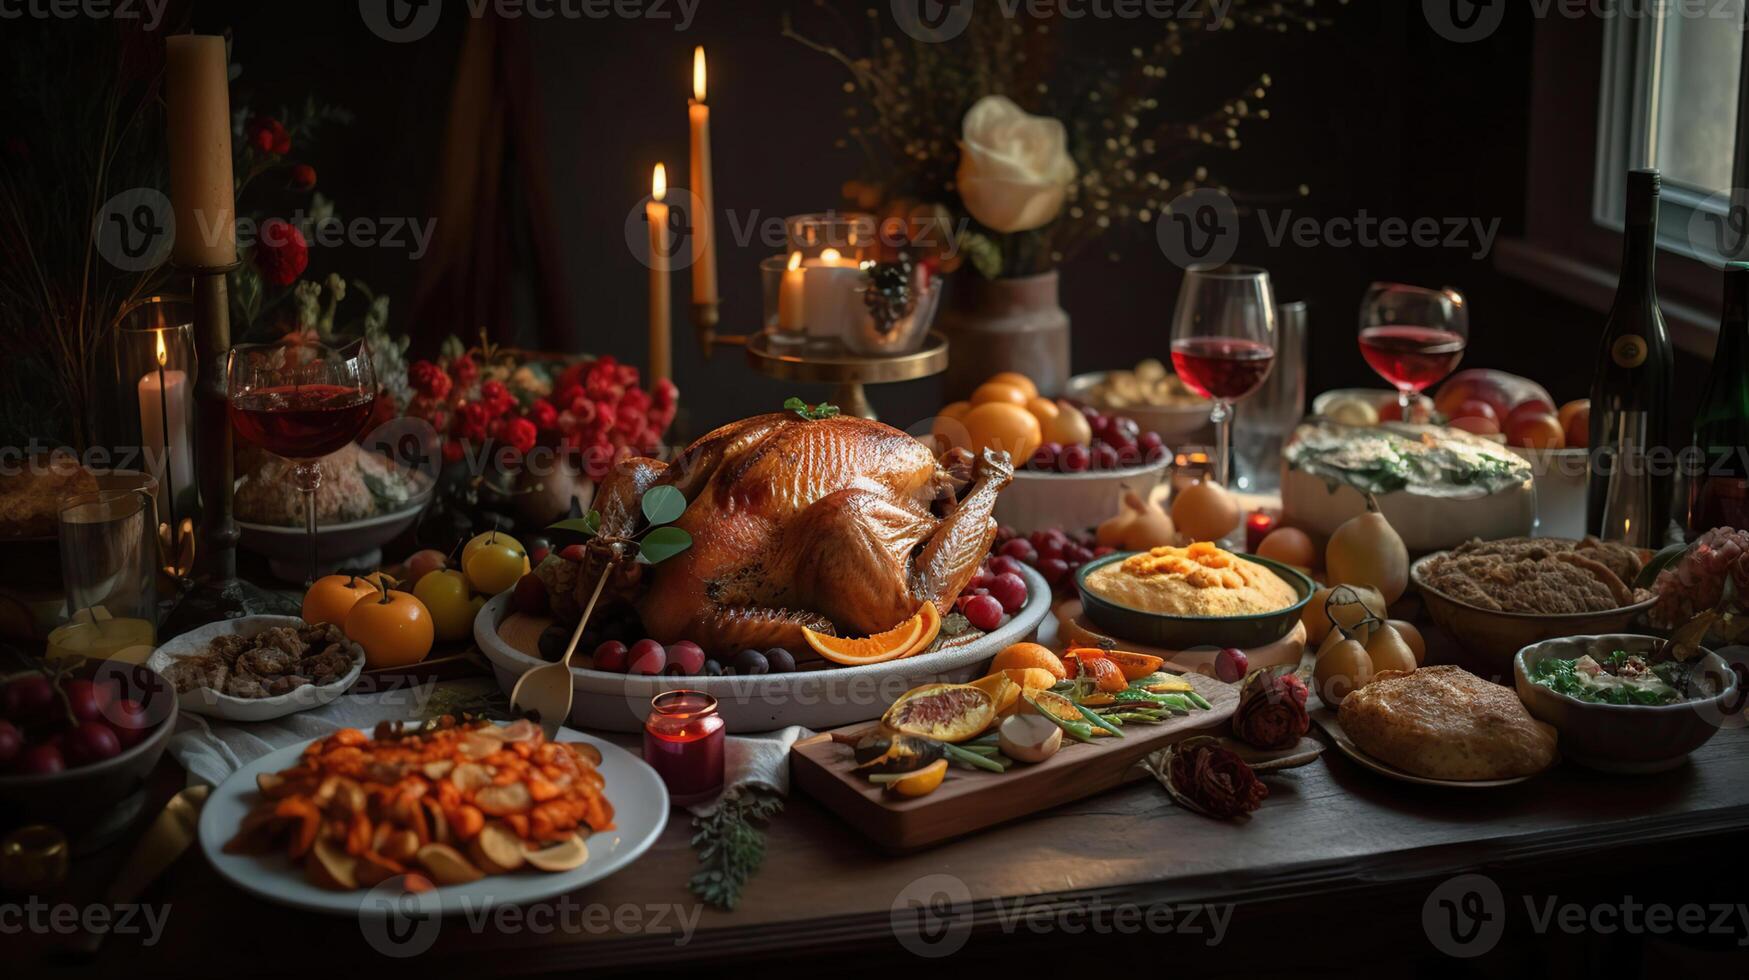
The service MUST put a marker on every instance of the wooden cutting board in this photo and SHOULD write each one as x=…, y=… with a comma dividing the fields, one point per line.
x=972, y=799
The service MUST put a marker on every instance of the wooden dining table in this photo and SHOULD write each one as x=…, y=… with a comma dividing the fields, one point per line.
x=1341, y=867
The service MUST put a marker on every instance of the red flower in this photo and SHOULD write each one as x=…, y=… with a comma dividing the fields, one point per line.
x=1272, y=709
x=268, y=135
x=303, y=177
x=497, y=398
x=519, y=433
x=471, y=421
x=452, y=451
x=1213, y=779
x=543, y=415
x=429, y=380
x=464, y=370
x=281, y=253
x=663, y=393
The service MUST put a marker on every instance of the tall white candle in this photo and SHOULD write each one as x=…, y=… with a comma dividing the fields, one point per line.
x=661, y=320
x=163, y=396
x=704, y=245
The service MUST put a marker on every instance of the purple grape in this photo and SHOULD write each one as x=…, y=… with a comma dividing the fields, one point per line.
x=686, y=658
x=983, y=612
x=1053, y=570
x=1075, y=459
x=751, y=662
x=780, y=660
x=1010, y=590
x=1021, y=550
x=1105, y=457
x=1044, y=458
x=1003, y=563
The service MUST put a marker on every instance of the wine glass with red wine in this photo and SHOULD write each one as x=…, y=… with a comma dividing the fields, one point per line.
x=1413, y=337
x=1223, y=342
x=301, y=402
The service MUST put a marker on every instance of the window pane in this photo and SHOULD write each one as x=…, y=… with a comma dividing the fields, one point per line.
x=1696, y=117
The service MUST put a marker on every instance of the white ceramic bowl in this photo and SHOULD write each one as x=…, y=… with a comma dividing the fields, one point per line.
x=816, y=699
x=1072, y=501
x=1562, y=476
x=354, y=543
x=203, y=701
x=1175, y=423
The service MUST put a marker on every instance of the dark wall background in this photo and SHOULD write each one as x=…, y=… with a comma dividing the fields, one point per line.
x=1379, y=114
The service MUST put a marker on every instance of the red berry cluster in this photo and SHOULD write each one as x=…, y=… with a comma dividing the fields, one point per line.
x=997, y=590
x=597, y=411
x=48, y=724
x=603, y=416
x=1055, y=553
x=1118, y=444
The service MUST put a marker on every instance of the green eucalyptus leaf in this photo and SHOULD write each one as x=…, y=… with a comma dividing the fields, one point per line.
x=663, y=543
x=663, y=505
x=576, y=525
x=594, y=519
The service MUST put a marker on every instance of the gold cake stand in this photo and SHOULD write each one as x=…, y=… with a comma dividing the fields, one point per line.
x=849, y=372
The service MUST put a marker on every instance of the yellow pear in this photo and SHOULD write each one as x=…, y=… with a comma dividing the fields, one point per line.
x=1366, y=550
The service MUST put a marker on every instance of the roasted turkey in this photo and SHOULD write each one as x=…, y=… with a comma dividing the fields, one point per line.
x=841, y=525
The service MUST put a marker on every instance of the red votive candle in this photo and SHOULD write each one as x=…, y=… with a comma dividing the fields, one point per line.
x=1257, y=527
x=683, y=742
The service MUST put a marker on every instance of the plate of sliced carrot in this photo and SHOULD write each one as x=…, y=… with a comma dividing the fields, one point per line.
x=443, y=817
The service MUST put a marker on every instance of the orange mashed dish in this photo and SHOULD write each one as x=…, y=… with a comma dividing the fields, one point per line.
x=1201, y=580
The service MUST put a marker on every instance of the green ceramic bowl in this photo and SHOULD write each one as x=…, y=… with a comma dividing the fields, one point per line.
x=1188, y=632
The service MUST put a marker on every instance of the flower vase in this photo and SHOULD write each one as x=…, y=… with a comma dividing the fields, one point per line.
x=996, y=325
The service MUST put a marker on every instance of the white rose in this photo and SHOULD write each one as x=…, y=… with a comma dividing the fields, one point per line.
x=1014, y=167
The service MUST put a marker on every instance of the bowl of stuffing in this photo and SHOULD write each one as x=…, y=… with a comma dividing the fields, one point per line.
x=256, y=668
x=1498, y=597
x=364, y=502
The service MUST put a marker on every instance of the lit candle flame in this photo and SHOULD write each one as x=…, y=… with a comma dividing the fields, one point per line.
x=829, y=256
x=698, y=73
x=163, y=354
x=659, y=183
x=795, y=261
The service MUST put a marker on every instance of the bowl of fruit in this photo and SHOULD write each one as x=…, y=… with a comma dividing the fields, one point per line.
x=1075, y=462
x=75, y=743
x=1152, y=395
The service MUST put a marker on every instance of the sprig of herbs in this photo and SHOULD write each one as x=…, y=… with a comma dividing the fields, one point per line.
x=731, y=844
x=658, y=541
x=813, y=413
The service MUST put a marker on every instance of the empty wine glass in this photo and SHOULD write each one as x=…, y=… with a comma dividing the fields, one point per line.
x=1412, y=336
x=1223, y=342
x=301, y=402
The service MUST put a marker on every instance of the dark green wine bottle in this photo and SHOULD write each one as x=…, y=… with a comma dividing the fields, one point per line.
x=1718, y=494
x=1635, y=366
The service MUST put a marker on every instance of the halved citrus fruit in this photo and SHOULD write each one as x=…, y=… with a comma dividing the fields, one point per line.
x=878, y=649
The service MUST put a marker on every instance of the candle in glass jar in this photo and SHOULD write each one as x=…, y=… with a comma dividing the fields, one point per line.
x=163, y=396
x=683, y=741
x=831, y=300
x=197, y=101
x=790, y=315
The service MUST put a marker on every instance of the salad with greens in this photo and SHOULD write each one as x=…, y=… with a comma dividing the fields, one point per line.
x=1620, y=678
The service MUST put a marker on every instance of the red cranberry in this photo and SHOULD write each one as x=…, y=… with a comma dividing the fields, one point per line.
x=1003, y=563
x=1021, y=550
x=1054, y=570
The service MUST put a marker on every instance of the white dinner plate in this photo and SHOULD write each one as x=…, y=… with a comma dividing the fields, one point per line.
x=640, y=811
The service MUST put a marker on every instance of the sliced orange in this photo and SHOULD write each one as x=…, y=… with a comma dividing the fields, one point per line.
x=931, y=629
x=878, y=649
x=1002, y=690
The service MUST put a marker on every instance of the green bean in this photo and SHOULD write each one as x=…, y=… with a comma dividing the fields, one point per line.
x=972, y=759
x=1099, y=720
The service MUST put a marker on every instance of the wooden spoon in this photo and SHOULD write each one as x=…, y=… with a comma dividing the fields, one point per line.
x=546, y=691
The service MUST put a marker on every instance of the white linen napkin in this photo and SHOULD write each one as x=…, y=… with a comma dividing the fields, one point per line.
x=211, y=749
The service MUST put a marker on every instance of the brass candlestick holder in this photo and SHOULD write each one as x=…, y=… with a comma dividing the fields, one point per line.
x=217, y=593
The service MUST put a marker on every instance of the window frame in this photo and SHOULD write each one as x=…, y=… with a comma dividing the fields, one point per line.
x=1566, y=248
